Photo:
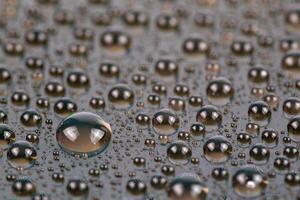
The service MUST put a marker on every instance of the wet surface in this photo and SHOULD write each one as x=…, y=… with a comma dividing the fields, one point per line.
x=113, y=99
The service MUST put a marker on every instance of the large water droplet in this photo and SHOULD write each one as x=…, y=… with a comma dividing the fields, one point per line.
x=217, y=149
x=121, y=96
x=220, y=91
x=187, y=187
x=249, y=182
x=23, y=187
x=83, y=133
x=179, y=152
x=260, y=113
x=210, y=116
x=7, y=135
x=21, y=155
x=165, y=122
x=293, y=128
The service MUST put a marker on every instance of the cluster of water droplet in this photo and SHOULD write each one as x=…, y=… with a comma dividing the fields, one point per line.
x=114, y=99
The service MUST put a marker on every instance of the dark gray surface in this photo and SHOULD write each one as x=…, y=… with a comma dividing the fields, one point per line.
x=148, y=45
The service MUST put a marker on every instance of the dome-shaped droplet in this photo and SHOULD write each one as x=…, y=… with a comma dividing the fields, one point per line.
x=293, y=128
x=220, y=173
x=165, y=67
x=210, y=116
x=31, y=118
x=187, y=187
x=242, y=48
x=290, y=64
x=217, y=149
x=5, y=75
x=165, y=122
x=244, y=139
x=23, y=187
x=83, y=133
x=272, y=100
x=281, y=164
x=167, y=22
x=135, y=18
x=77, y=187
x=197, y=130
x=142, y=119
x=291, y=107
x=292, y=178
x=179, y=152
x=195, y=46
x=21, y=155
x=270, y=137
x=97, y=102
x=7, y=135
x=78, y=79
x=158, y=181
x=292, y=19
x=32, y=138
x=55, y=89
x=64, y=107
x=121, y=96
x=258, y=75
x=291, y=152
x=260, y=113
x=249, y=182
x=19, y=98
x=109, y=70
x=220, y=91
x=136, y=186
x=42, y=103
x=252, y=129
x=115, y=40
x=40, y=196
x=260, y=153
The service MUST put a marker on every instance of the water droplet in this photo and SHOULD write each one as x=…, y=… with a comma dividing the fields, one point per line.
x=293, y=128
x=77, y=187
x=20, y=98
x=210, y=116
x=249, y=182
x=281, y=164
x=31, y=118
x=259, y=153
x=78, y=79
x=158, y=181
x=258, y=75
x=165, y=122
x=260, y=113
x=217, y=149
x=166, y=67
x=220, y=173
x=179, y=153
x=291, y=107
x=83, y=133
x=242, y=48
x=187, y=186
x=136, y=186
x=23, y=187
x=269, y=137
x=197, y=130
x=64, y=107
x=121, y=96
x=290, y=64
x=7, y=135
x=244, y=139
x=21, y=155
x=220, y=91
x=292, y=178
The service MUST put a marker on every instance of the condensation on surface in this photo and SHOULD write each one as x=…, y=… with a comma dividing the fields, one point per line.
x=195, y=99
